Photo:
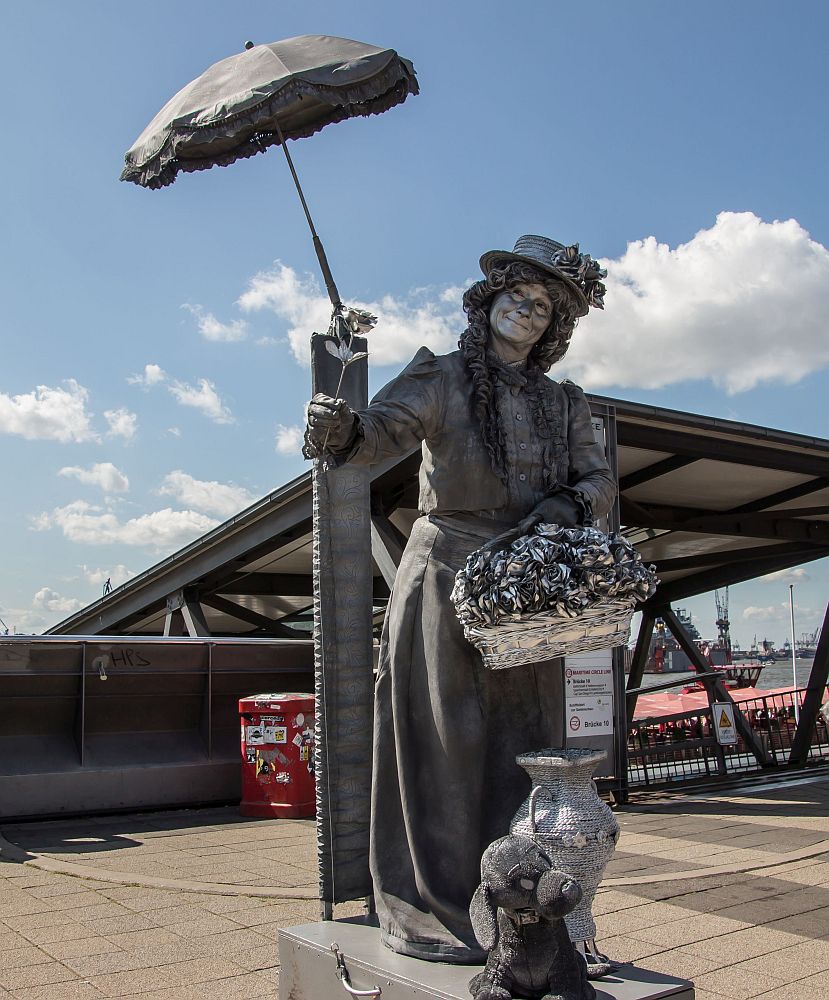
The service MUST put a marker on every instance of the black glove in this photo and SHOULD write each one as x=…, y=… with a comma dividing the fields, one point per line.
x=331, y=424
x=561, y=508
x=566, y=508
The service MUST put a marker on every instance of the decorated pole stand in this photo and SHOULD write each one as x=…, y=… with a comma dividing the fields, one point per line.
x=342, y=645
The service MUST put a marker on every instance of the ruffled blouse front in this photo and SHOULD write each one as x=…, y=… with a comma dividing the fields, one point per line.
x=546, y=431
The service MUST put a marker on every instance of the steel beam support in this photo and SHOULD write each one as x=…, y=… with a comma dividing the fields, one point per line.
x=268, y=585
x=783, y=496
x=676, y=442
x=244, y=614
x=640, y=659
x=815, y=693
x=277, y=585
x=715, y=687
x=174, y=624
x=727, y=557
x=194, y=618
x=342, y=648
x=183, y=607
x=771, y=525
x=702, y=583
x=661, y=468
x=387, y=544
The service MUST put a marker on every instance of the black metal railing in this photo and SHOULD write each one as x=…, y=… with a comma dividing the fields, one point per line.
x=670, y=749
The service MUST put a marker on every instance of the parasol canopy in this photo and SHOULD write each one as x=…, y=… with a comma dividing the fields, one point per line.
x=263, y=96
x=238, y=106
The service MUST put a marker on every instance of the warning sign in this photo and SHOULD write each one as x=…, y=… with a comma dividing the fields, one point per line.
x=588, y=691
x=723, y=713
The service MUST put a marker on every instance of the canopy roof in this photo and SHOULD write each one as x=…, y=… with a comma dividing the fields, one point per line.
x=711, y=502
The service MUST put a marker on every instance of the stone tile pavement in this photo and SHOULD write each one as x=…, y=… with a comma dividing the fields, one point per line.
x=728, y=888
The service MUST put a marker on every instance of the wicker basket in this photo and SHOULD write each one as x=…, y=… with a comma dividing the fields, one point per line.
x=546, y=636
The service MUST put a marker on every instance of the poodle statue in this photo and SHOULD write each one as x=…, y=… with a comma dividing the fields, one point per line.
x=517, y=914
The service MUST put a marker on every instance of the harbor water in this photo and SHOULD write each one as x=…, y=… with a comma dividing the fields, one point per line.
x=773, y=675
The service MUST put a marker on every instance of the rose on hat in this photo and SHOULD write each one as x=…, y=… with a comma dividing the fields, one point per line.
x=577, y=270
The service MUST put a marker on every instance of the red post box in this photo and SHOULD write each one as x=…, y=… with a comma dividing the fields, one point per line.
x=277, y=755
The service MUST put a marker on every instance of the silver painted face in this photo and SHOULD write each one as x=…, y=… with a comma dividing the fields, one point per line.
x=518, y=318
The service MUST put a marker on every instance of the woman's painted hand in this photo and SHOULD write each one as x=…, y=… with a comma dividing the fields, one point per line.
x=561, y=508
x=330, y=422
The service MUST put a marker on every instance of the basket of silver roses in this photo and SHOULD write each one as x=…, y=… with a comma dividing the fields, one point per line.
x=553, y=592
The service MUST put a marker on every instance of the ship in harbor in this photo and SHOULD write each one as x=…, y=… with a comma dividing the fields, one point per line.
x=666, y=657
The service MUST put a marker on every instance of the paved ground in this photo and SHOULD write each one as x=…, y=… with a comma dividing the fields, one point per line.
x=728, y=889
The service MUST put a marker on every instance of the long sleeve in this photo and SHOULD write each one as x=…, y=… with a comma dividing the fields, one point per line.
x=589, y=473
x=401, y=415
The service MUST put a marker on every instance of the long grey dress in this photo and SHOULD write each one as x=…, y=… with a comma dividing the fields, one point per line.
x=447, y=730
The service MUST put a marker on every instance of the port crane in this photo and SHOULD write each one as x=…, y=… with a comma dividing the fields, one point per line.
x=723, y=624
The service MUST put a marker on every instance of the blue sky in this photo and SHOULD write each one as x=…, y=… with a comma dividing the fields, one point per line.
x=685, y=145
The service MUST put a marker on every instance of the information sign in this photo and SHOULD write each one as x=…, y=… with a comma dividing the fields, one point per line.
x=588, y=693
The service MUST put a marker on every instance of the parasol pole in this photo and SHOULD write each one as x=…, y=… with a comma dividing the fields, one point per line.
x=328, y=277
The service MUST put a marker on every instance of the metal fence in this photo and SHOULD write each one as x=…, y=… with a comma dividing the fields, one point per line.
x=683, y=746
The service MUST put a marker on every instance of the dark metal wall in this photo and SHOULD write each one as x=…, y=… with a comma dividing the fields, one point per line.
x=89, y=725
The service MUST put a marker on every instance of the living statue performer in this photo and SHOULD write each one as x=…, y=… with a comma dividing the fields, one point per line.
x=504, y=447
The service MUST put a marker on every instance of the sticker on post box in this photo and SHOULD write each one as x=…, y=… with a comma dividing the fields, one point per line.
x=283, y=778
x=271, y=720
x=304, y=752
x=255, y=736
x=276, y=734
x=298, y=740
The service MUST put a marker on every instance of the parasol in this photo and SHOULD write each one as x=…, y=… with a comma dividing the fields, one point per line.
x=258, y=98
x=238, y=107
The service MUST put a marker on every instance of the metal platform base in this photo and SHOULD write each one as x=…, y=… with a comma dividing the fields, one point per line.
x=309, y=969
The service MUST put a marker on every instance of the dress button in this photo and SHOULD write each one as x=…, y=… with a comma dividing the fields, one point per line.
x=522, y=477
x=522, y=446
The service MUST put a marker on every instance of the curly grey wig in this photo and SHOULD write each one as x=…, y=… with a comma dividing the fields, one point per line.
x=474, y=341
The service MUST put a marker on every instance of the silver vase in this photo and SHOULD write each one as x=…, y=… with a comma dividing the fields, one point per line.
x=575, y=828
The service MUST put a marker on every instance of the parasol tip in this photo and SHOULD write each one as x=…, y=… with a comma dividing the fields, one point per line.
x=248, y=45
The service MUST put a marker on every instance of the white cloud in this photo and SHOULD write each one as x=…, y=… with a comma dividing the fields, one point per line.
x=423, y=318
x=174, y=432
x=52, y=414
x=771, y=613
x=161, y=530
x=289, y=439
x=202, y=397
x=152, y=375
x=742, y=303
x=50, y=600
x=213, y=329
x=122, y=423
x=102, y=474
x=222, y=499
x=797, y=575
x=23, y=621
x=115, y=574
